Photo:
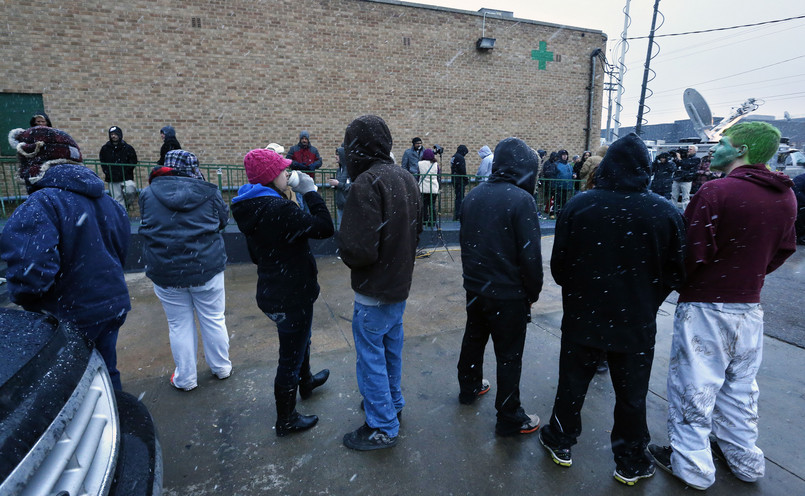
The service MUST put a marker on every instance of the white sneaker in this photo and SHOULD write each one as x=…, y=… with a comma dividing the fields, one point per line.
x=223, y=375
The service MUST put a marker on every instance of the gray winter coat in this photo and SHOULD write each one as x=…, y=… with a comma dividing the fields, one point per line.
x=182, y=220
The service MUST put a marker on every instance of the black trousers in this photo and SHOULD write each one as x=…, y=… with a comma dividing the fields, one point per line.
x=459, y=183
x=505, y=321
x=293, y=329
x=630, y=374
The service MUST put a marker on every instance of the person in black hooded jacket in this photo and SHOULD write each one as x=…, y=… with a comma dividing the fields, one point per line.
x=501, y=258
x=458, y=170
x=114, y=152
x=617, y=254
x=169, y=142
x=799, y=191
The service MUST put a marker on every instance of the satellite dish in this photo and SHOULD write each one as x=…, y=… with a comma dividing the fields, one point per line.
x=698, y=111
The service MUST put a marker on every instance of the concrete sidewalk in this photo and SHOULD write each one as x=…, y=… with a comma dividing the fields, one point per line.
x=219, y=438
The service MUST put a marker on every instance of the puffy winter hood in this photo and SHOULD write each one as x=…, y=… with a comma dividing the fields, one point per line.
x=169, y=132
x=625, y=167
x=71, y=177
x=182, y=194
x=759, y=174
x=484, y=152
x=462, y=150
x=367, y=141
x=249, y=191
x=516, y=163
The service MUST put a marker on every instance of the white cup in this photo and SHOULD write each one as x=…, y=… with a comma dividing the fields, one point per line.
x=293, y=181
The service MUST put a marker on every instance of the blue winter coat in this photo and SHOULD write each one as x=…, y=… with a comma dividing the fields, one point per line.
x=65, y=248
x=182, y=220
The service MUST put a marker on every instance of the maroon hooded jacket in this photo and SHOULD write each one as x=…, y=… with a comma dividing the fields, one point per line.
x=740, y=228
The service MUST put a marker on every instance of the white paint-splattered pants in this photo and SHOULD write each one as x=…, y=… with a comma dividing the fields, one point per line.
x=715, y=356
x=181, y=306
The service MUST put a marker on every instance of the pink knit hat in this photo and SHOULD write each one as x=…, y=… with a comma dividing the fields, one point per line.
x=263, y=166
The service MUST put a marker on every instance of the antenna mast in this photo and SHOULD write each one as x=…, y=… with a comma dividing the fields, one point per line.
x=621, y=72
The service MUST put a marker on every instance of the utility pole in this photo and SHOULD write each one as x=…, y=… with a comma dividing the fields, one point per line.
x=639, y=126
x=609, y=87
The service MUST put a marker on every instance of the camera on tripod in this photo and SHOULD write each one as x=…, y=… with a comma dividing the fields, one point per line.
x=438, y=150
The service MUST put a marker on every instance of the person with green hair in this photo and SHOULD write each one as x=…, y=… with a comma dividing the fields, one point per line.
x=740, y=228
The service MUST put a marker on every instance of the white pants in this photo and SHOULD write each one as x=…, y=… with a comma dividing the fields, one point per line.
x=117, y=191
x=716, y=352
x=680, y=188
x=209, y=302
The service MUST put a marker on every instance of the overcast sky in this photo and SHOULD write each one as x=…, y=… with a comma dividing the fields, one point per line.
x=727, y=67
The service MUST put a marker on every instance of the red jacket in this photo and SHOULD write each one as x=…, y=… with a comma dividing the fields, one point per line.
x=740, y=228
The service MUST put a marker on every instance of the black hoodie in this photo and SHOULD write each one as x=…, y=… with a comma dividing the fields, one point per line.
x=618, y=252
x=500, y=236
x=117, y=153
x=382, y=216
x=458, y=165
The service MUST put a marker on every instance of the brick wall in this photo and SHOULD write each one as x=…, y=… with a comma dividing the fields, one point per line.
x=260, y=71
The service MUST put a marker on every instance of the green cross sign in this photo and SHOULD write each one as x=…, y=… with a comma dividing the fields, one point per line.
x=542, y=55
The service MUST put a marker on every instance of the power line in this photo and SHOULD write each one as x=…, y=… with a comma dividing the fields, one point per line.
x=673, y=92
x=733, y=75
x=719, y=29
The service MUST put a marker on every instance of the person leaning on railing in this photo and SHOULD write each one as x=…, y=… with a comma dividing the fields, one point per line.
x=118, y=159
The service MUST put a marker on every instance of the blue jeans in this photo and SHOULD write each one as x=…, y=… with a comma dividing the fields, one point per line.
x=104, y=336
x=378, y=334
x=293, y=328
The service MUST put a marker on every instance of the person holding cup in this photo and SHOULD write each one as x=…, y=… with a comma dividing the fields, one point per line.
x=289, y=193
x=277, y=233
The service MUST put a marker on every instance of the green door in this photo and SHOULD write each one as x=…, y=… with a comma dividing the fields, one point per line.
x=16, y=110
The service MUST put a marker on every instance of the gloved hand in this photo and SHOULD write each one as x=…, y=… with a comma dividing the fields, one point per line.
x=305, y=185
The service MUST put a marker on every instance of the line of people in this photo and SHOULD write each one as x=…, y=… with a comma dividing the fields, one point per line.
x=678, y=175
x=618, y=252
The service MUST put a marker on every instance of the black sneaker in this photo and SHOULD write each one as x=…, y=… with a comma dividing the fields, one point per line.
x=718, y=454
x=630, y=476
x=662, y=457
x=366, y=438
x=560, y=456
x=716, y=449
x=469, y=398
x=529, y=425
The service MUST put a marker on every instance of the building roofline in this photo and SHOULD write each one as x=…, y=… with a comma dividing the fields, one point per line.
x=489, y=15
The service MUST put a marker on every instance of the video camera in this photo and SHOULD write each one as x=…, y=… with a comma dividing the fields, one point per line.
x=438, y=150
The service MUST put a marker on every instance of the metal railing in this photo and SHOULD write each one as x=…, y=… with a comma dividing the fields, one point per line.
x=550, y=195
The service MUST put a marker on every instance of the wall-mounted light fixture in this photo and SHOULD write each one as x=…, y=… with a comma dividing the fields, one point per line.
x=484, y=44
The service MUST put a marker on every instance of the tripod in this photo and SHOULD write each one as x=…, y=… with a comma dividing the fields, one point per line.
x=435, y=218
